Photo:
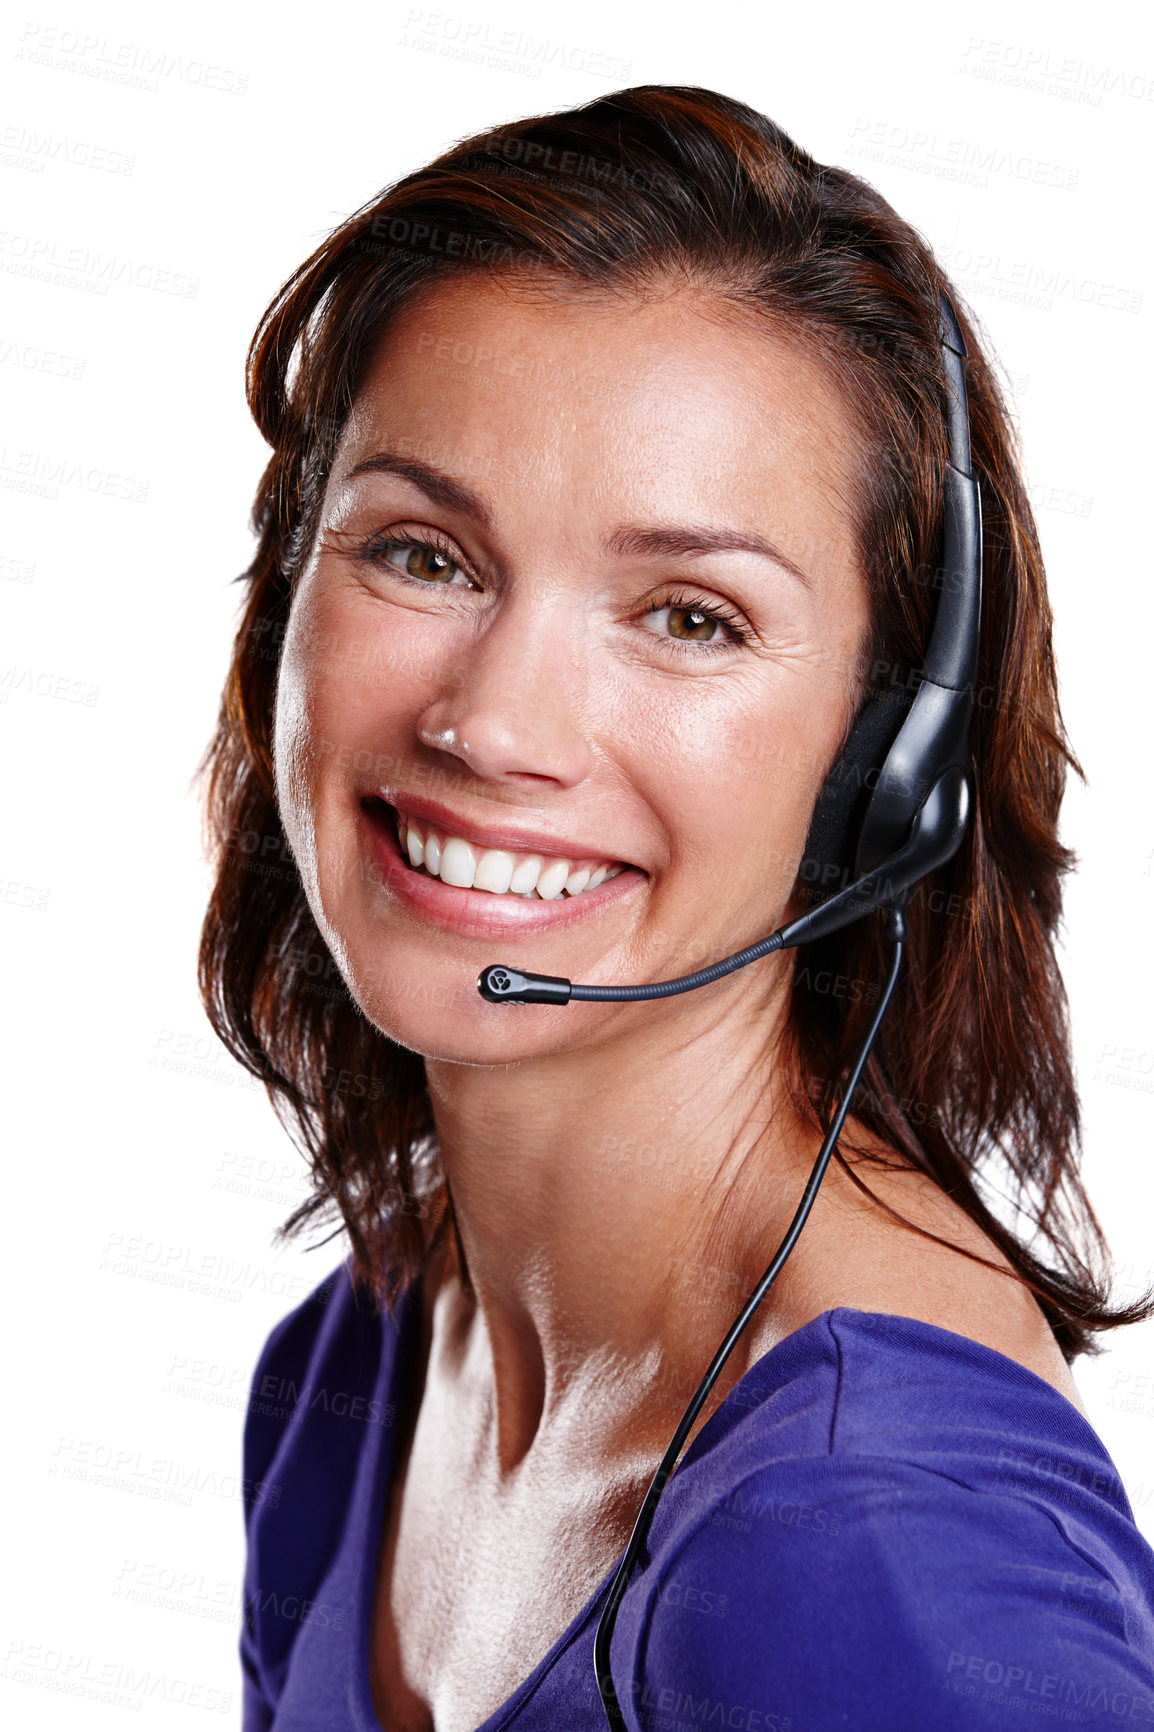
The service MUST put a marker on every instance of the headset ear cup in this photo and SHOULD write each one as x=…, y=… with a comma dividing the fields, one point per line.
x=831, y=846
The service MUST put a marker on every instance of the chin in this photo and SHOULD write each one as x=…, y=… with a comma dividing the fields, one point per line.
x=431, y=1006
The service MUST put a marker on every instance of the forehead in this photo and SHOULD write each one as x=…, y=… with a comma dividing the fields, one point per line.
x=621, y=401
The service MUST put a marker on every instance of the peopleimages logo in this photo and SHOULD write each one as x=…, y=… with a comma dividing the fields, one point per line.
x=961, y=159
x=44, y=474
x=1027, y=67
x=282, y=1398
x=1033, y=283
x=114, y=1683
x=475, y=39
x=1023, y=1687
x=137, y=65
x=47, y=259
x=28, y=148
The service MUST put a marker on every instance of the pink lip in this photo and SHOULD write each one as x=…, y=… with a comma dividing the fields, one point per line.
x=491, y=836
x=476, y=913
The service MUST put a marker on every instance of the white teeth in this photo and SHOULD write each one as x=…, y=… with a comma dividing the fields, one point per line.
x=552, y=880
x=498, y=870
x=525, y=876
x=494, y=871
x=458, y=863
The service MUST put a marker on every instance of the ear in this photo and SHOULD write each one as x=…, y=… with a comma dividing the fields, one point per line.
x=827, y=864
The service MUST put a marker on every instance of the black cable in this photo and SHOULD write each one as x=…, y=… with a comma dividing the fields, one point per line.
x=896, y=931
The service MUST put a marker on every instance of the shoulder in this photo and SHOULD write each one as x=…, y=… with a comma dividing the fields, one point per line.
x=326, y=1336
x=312, y=1389
x=315, y=1417
x=897, y=1531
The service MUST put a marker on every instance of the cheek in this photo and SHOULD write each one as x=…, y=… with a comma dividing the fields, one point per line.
x=295, y=754
x=738, y=769
x=347, y=695
x=317, y=698
x=358, y=669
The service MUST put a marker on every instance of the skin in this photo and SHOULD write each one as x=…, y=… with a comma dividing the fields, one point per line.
x=620, y=1174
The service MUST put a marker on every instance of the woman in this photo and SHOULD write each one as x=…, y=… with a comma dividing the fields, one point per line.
x=606, y=489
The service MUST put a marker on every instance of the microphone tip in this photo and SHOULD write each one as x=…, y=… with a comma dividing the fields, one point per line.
x=501, y=985
x=497, y=984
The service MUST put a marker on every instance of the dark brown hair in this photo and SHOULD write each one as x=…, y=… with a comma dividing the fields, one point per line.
x=972, y=1076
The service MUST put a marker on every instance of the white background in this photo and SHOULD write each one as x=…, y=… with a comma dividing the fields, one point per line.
x=162, y=172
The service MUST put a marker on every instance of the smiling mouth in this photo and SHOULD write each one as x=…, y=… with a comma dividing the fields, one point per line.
x=436, y=853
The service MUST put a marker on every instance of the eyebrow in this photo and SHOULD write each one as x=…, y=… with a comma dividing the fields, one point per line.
x=670, y=542
x=673, y=542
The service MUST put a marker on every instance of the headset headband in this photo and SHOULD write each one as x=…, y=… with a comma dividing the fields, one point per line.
x=903, y=740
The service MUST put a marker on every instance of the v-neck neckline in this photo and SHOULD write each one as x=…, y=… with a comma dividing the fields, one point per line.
x=370, y=1510
x=393, y=1375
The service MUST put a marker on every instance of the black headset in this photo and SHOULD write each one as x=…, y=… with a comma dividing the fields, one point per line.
x=906, y=741
x=894, y=807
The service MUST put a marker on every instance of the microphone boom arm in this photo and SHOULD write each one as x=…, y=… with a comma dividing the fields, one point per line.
x=937, y=832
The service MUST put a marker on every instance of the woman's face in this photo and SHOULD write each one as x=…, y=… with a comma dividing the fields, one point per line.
x=585, y=590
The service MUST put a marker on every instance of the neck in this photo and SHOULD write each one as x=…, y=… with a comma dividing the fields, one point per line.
x=614, y=1208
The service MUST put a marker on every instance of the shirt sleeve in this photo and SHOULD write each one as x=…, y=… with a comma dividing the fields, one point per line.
x=260, y=1442
x=864, y=1593
x=281, y=1371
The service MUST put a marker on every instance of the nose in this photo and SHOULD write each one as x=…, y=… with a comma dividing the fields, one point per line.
x=510, y=711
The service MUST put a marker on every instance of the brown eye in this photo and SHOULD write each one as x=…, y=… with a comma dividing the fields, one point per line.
x=415, y=560
x=425, y=562
x=691, y=624
x=689, y=620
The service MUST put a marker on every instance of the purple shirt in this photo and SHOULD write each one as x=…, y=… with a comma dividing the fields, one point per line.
x=885, y=1526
